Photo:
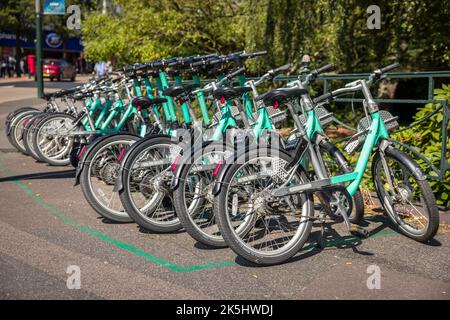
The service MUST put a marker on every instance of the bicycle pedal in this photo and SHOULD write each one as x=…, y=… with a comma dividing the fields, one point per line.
x=359, y=232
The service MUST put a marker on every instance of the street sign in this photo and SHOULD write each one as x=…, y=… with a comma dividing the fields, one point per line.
x=54, y=7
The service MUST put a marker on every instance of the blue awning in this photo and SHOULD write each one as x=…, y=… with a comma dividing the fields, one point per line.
x=51, y=41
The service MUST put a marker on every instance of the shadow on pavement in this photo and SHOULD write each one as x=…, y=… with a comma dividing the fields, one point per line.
x=41, y=175
x=332, y=239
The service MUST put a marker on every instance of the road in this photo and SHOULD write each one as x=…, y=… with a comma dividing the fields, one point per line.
x=47, y=226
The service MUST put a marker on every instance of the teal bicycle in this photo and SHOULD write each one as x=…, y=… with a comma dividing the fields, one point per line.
x=269, y=188
x=99, y=161
x=194, y=173
x=54, y=136
x=193, y=198
x=144, y=177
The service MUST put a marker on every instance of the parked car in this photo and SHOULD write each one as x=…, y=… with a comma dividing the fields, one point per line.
x=58, y=69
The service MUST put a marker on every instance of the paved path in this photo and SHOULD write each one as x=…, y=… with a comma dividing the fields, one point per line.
x=46, y=226
x=11, y=89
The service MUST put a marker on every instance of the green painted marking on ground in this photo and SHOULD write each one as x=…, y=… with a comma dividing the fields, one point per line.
x=122, y=245
x=141, y=253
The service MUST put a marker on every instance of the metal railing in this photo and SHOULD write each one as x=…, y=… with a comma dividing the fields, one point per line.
x=444, y=166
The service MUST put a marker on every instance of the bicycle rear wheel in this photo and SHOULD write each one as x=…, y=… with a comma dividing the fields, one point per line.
x=27, y=135
x=11, y=116
x=16, y=129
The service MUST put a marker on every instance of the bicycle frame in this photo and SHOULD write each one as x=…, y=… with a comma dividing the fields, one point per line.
x=376, y=133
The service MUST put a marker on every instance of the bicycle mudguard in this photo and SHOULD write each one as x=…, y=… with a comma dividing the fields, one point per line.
x=8, y=122
x=179, y=168
x=119, y=184
x=84, y=153
x=10, y=117
x=404, y=159
x=222, y=169
x=337, y=154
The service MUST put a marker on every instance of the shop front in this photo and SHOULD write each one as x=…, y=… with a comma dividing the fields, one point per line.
x=53, y=46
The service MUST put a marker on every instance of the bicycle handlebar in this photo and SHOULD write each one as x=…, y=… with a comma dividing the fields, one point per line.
x=388, y=68
x=229, y=76
x=252, y=54
x=326, y=96
x=328, y=67
x=183, y=61
x=276, y=71
x=233, y=74
x=353, y=86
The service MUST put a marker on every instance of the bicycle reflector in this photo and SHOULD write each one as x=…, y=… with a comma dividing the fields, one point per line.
x=122, y=152
x=217, y=169
x=80, y=154
x=276, y=105
x=174, y=165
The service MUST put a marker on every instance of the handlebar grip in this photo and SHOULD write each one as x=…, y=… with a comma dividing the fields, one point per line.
x=198, y=63
x=174, y=63
x=235, y=73
x=203, y=62
x=326, y=96
x=323, y=69
x=281, y=69
x=252, y=54
x=258, y=53
x=155, y=63
x=141, y=66
x=206, y=56
x=390, y=67
x=214, y=62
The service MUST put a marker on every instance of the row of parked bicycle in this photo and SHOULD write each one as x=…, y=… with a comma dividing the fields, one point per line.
x=152, y=148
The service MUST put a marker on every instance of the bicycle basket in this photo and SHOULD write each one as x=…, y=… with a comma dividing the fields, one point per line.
x=325, y=117
x=208, y=133
x=276, y=115
x=218, y=115
x=356, y=142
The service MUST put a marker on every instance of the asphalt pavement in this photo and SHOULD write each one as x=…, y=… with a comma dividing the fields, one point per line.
x=46, y=226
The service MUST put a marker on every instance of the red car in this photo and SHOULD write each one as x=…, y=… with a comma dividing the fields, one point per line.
x=58, y=69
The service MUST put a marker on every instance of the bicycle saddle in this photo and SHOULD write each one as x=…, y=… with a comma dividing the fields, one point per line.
x=176, y=91
x=47, y=96
x=281, y=95
x=81, y=96
x=145, y=102
x=230, y=92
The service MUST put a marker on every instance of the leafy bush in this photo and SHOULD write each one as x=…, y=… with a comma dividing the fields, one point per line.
x=426, y=138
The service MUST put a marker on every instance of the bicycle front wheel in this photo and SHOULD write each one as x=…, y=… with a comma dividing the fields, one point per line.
x=52, y=141
x=193, y=199
x=280, y=226
x=146, y=176
x=99, y=173
x=408, y=200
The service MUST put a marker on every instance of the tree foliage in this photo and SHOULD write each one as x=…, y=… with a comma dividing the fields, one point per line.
x=145, y=30
x=414, y=32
